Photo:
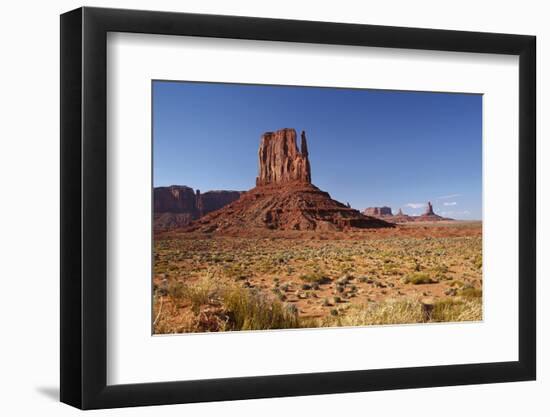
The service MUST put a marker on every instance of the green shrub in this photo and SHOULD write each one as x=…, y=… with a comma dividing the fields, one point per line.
x=316, y=277
x=418, y=278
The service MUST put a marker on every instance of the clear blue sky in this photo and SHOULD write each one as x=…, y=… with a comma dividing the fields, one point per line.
x=366, y=147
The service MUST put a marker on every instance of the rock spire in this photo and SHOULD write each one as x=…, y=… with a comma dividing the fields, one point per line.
x=429, y=210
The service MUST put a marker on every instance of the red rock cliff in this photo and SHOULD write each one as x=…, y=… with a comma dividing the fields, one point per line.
x=280, y=161
x=175, y=199
x=215, y=200
x=178, y=205
x=182, y=199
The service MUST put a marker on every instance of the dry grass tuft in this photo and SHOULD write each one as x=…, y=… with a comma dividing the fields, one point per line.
x=316, y=277
x=252, y=311
x=389, y=312
x=470, y=293
x=453, y=310
x=406, y=312
x=225, y=306
x=419, y=278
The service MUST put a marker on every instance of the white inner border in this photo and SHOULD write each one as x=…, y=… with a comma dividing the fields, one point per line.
x=135, y=356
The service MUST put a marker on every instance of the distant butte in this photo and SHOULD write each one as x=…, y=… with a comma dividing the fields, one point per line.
x=429, y=210
x=378, y=211
x=284, y=197
x=385, y=213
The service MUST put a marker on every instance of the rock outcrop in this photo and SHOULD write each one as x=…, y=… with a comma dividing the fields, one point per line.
x=378, y=211
x=178, y=205
x=280, y=160
x=284, y=197
x=429, y=215
x=175, y=199
x=429, y=210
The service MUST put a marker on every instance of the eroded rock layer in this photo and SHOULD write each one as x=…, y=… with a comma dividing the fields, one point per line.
x=284, y=197
x=296, y=207
x=280, y=161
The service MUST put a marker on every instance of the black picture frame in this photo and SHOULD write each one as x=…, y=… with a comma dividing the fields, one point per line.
x=84, y=207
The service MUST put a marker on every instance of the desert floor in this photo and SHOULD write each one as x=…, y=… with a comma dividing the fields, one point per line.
x=416, y=272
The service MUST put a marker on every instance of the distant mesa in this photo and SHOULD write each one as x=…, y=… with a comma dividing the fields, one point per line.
x=378, y=211
x=284, y=197
x=178, y=205
x=386, y=214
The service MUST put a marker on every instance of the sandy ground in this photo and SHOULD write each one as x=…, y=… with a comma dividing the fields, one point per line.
x=320, y=272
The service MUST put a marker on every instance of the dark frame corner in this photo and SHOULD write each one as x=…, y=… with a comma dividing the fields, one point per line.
x=83, y=207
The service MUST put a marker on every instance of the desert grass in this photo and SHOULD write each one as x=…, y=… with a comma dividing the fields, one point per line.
x=236, y=308
x=389, y=312
x=419, y=278
x=253, y=311
x=245, y=309
x=315, y=277
x=220, y=283
x=407, y=312
x=455, y=310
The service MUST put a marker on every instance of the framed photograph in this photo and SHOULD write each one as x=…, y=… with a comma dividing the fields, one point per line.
x=258, y=208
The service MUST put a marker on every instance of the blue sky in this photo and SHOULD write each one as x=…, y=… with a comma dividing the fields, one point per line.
x=366, y=147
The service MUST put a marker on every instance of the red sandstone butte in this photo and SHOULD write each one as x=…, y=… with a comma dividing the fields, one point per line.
x=284, y=197
x=280, y=160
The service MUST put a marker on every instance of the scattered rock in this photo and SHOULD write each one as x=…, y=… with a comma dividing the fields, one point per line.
x=451, y=292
